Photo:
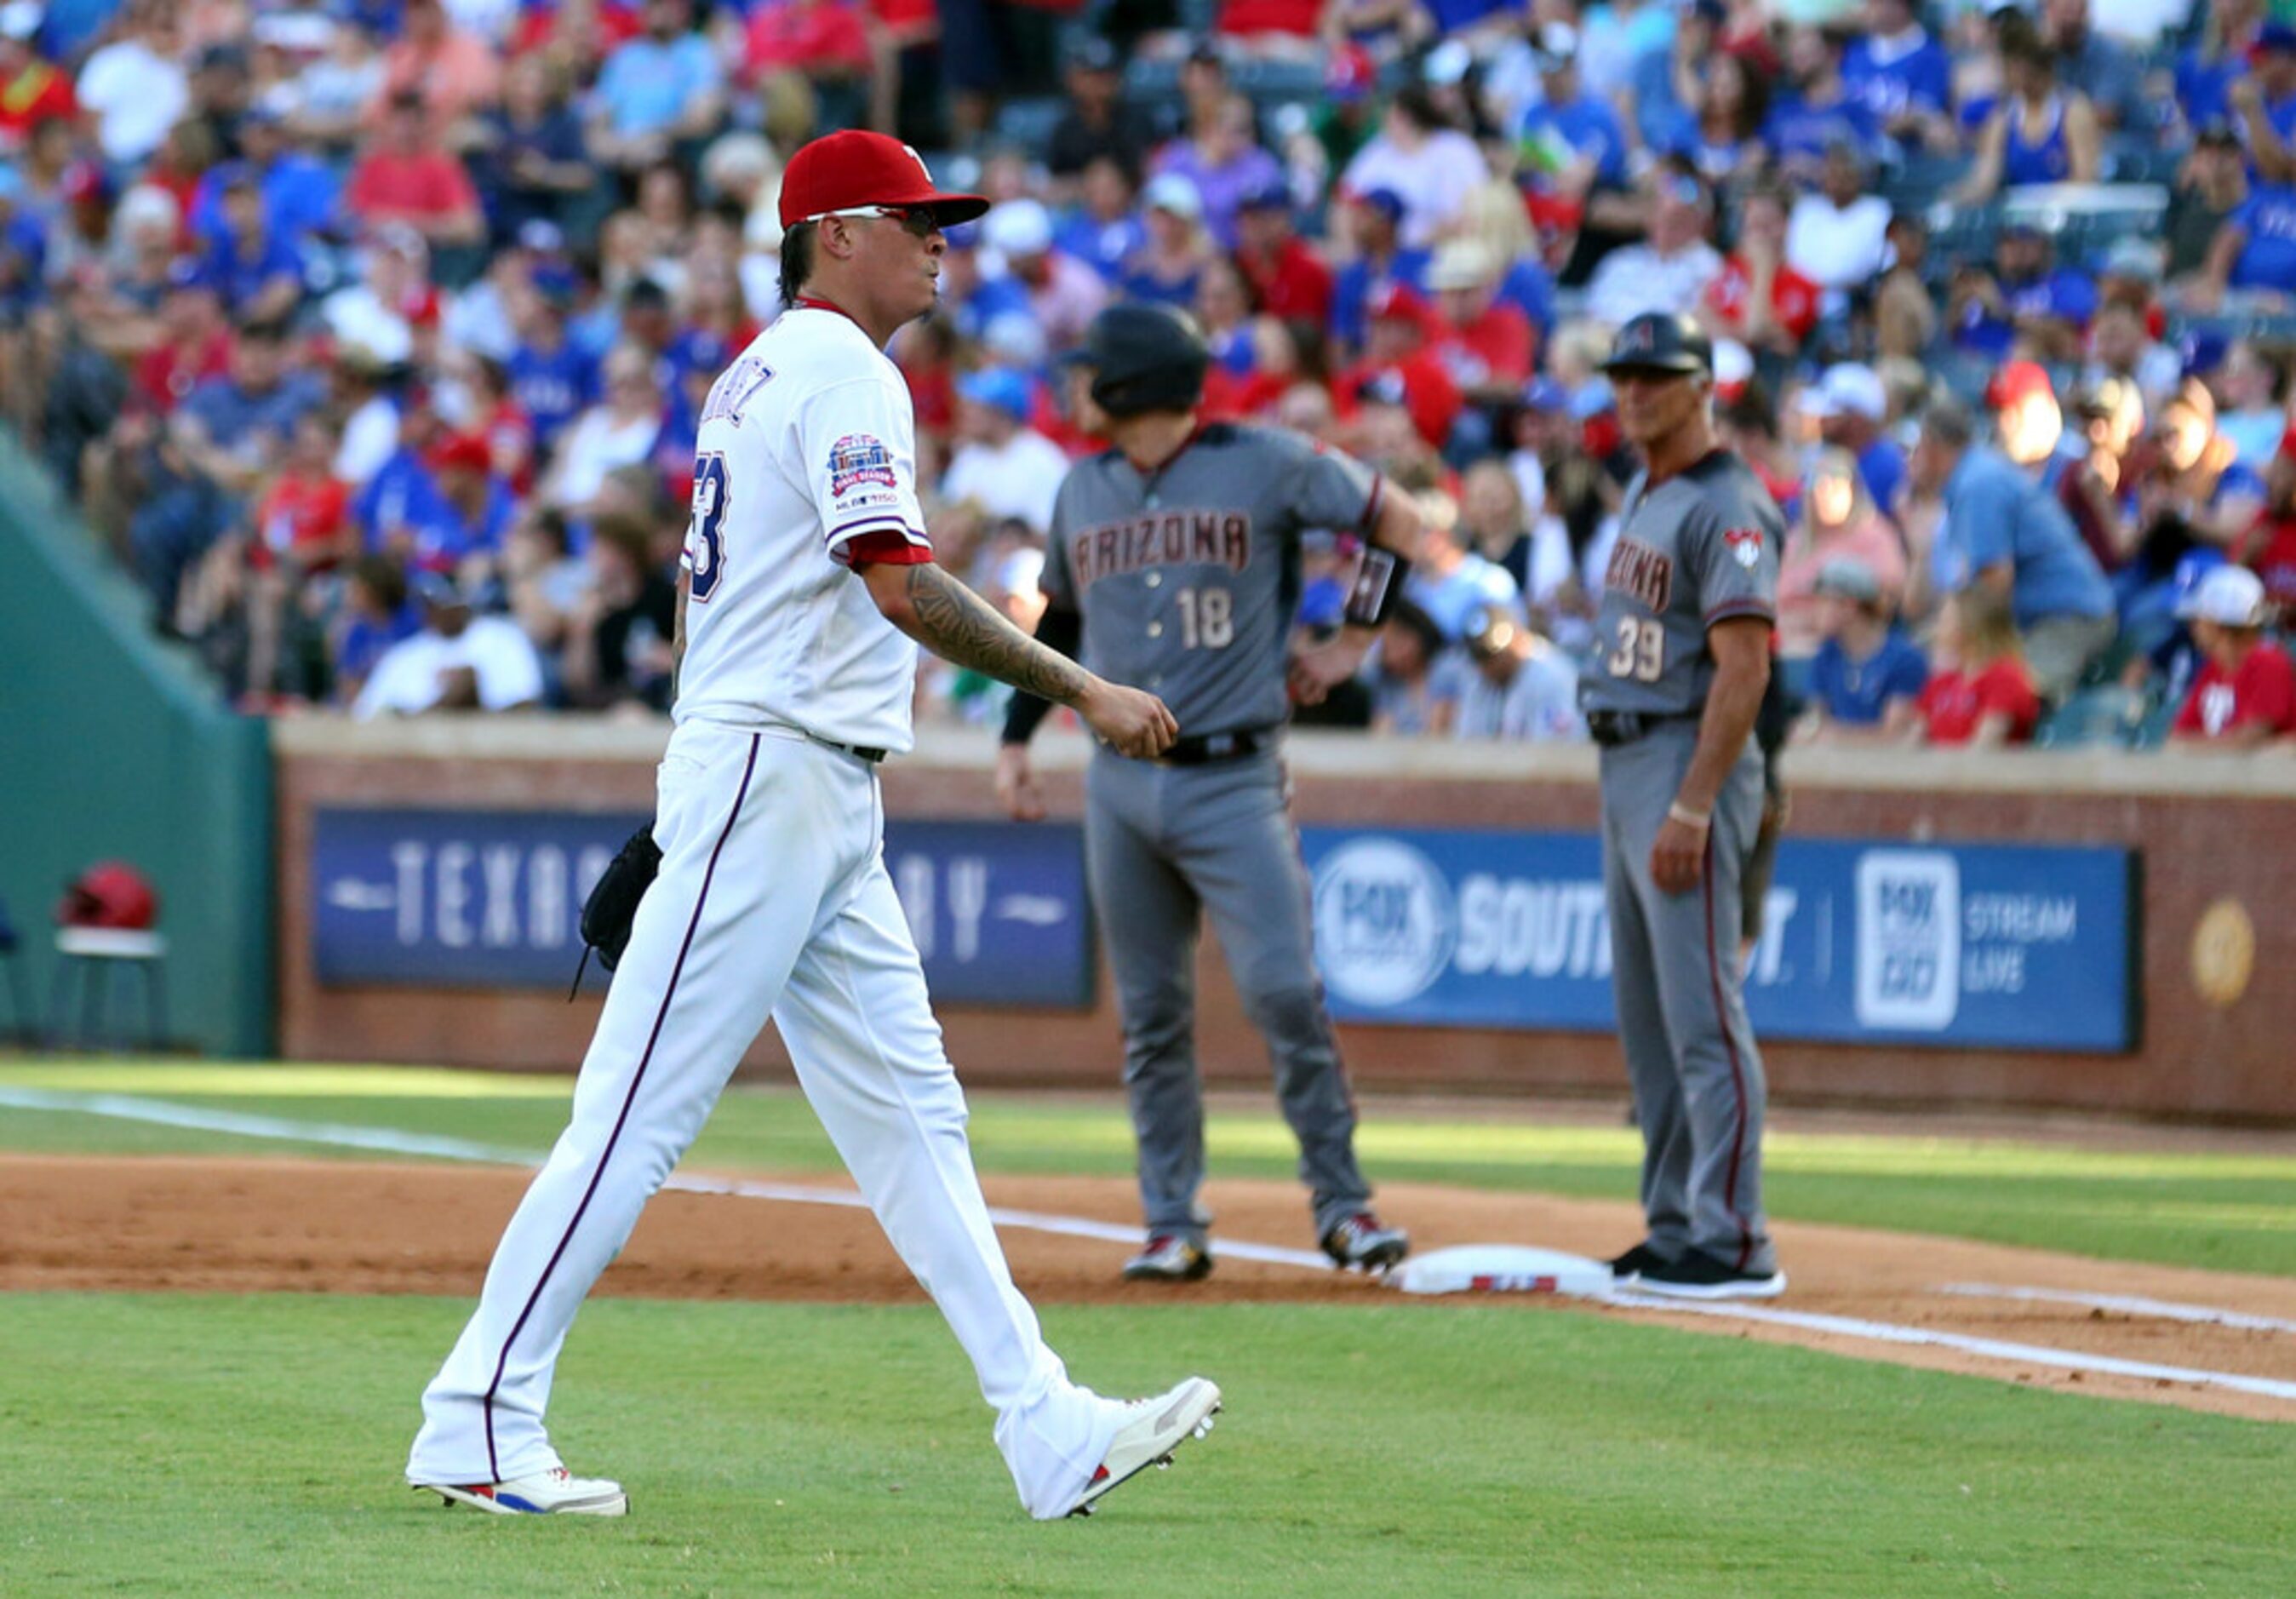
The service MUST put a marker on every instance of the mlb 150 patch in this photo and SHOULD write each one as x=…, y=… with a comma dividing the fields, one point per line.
x=856, y=459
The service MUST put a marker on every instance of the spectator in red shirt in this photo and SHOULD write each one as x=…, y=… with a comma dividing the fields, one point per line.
x=2269, y=548
x=194, y=341
x=405, y=177
x=1398, y=369
x=2246, y=693
x=32, y=91
x=814, y=38
x=1288, y=279
x=1485, y=344
x=302, y=522
x=1758, y=299
x=1986, y=697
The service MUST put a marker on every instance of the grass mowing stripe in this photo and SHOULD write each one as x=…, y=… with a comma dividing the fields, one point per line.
x=233, y=1445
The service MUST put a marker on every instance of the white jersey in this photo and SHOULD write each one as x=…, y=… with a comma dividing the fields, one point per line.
x=807, y=442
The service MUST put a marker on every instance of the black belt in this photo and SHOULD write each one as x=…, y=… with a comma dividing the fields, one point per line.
x=1207, y=747
x=857, y=751
x=1611, y=728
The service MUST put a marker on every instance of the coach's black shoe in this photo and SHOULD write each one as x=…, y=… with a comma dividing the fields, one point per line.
x=1169, y=1258
x=1362, y=1242
x=1699, y=1276
x=1625, y=1267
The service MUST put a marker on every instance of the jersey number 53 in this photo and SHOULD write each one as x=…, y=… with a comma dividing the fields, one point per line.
x=1641, y=652
x=705, y=538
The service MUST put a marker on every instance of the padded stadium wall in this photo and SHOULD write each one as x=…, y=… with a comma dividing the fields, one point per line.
x=114, y=746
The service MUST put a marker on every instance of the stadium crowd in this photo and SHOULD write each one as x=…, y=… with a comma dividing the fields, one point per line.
x=372, y=333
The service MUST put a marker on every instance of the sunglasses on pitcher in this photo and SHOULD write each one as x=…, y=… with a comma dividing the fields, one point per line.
x=918, y=222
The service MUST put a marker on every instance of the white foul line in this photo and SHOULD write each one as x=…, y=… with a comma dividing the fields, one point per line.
x=2127, y=1304
x=1991, y=1349
x=391, y=1141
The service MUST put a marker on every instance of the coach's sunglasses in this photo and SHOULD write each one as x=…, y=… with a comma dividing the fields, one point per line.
x=919, y=221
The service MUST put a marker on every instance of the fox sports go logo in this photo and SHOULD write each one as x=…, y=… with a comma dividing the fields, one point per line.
x=1385, y=921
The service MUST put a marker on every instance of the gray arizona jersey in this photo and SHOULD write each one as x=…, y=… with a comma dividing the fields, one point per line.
x=1186, y=577
x=1699, y=548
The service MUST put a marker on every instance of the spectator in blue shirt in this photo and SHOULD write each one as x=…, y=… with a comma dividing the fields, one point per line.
x=2252, y=264
x=1903, y=76
x=402, y=512
x=376, y=615
x=258, y=273
x=302, y=196
x=2096, y=66
x=1381, y=262
x=2264, y=104
x=1814, y=110
x=235, y=428
x=2028, y=296
x=2003, y=531
x=1105, y=229
x=1572, y=140
x=660, y=87
x=1866, y=675
x=551, y=379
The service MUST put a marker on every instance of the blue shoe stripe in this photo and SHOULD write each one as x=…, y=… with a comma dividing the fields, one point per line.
x=515, y=1503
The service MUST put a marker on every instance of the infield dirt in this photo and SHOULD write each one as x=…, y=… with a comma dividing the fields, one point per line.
x=207, y=1225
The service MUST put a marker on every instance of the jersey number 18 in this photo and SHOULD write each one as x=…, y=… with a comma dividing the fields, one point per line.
x=1207, y=617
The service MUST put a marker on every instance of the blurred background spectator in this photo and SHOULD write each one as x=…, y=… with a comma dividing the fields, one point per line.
x=309, y=305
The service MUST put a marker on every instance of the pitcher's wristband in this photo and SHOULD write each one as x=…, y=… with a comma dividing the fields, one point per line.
x=1686, y=816
x=1377, y=585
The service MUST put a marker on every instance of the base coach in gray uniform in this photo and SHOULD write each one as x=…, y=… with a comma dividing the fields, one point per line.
x=1174, y=563
x=1682, y=658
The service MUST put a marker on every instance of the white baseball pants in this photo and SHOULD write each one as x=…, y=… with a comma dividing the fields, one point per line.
x=772, y=900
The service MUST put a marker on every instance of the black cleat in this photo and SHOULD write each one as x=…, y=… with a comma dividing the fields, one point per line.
x=1699, y=1276
x=1642, y=1258
x=1169, y=1258
x=1362, y=1242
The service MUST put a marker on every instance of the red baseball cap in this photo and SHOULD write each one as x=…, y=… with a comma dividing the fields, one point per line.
x=465, y=451
x=2018, y=380
x=1398, y=302
x=843, y=171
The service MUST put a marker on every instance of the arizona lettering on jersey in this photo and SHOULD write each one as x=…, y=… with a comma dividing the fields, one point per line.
x=1716, y=527
x=1176, y=539
x=1639, y=570
x=1186, y=577
x=807, y=445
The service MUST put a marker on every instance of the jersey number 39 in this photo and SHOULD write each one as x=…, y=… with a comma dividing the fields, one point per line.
x=705, y=540
x=1641, y=653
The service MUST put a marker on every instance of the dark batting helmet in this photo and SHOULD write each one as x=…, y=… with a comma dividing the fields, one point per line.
x=1144, y=358
x=1661, y=342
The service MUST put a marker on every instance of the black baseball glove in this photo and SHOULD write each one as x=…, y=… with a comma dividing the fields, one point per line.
x=613, y=905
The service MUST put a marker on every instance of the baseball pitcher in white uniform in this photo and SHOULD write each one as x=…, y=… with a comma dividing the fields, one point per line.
x=808, y=573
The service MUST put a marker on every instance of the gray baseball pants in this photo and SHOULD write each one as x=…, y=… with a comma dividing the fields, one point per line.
x=1697, y=1076
x=1162, y=844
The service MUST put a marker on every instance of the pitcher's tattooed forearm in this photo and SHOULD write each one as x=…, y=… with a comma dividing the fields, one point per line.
x=962, y=628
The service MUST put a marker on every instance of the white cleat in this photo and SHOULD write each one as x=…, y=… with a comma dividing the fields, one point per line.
x=553, y=1493
x=1154, y=1429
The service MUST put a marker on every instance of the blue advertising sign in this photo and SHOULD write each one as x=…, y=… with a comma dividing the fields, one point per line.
x=2003, y=945
x=493, y=900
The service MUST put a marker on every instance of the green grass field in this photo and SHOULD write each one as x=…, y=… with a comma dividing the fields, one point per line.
x=213, y=1444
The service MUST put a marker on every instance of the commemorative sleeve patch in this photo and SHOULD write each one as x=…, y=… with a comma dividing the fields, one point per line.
x=1745, y=545
x=859, y=460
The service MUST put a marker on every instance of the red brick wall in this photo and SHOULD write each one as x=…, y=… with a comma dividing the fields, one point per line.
x=2206, y=831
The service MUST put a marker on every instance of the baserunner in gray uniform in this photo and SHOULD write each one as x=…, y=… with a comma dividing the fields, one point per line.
x=1175, y=559
x=1682, y=656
